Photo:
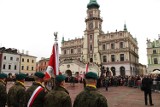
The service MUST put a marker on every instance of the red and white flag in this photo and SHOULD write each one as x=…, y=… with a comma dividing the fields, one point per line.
x=53, y=63
x=87, y=65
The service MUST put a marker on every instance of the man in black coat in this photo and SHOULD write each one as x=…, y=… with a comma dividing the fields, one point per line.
x=147, y=84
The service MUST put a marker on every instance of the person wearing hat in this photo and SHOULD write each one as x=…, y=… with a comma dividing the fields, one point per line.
x=90, y=97
x=3, y=92
x=36, y=92
x=59, y=96
x=16, y=94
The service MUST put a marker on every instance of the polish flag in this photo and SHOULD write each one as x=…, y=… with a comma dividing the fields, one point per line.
x=53, y=64
x=87, y=67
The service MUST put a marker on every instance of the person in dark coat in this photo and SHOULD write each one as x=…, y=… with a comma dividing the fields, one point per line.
x=59, y=96
x=16, y=94
x=90, y=96
x=106, y=82
x=3, y=92
x=32, y=99
x=147, y=84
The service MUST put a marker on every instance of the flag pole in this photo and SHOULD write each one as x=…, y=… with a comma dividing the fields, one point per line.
x=53, y=65
x=57, y=65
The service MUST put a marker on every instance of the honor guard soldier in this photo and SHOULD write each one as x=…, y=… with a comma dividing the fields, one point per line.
x=16, y=94
x=35, y=93
x=59, y=96
x=3, y=92
x=90, y=97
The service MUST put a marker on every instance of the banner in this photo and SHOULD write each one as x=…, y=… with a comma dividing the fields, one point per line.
x=53, y=65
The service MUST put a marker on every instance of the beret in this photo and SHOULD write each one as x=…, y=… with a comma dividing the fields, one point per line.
x=3, y=75
x=60, y=78
x=20, y=76
x=39, y=74
x=91, y=75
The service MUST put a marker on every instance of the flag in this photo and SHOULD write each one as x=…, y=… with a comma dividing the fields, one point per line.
x=87, y=65
x=53, y=63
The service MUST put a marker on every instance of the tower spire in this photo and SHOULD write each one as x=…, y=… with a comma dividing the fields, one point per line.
x=93, y=4
x=125, y=27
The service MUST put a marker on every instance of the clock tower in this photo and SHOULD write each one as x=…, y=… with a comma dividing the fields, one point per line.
x=91, y=33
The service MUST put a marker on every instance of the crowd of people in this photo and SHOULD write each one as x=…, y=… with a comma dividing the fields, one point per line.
x=39, y=96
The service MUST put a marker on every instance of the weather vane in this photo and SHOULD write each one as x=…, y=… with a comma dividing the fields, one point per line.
x=55, y=35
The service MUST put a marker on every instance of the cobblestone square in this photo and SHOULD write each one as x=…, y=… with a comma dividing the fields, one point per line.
x=120, y=96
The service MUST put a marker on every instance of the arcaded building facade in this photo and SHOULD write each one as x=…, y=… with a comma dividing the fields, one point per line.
x=116, y=51
x=153, y=54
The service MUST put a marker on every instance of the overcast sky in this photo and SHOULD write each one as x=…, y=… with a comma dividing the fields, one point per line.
x=29, y=24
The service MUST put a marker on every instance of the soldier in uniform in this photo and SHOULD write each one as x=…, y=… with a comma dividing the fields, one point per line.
x=3, y=92
x=90, y=97
x=58, y=97
x=35, y=93
x=16, y=94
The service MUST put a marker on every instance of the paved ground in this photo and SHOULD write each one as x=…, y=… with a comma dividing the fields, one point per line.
x=117, y=96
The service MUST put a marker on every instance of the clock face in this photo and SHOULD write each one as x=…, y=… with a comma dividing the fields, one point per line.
x=91, y=26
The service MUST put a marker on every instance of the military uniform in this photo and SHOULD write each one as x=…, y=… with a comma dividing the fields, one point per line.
x=39, y=100
x=90, y=97
x=16, y=94
x=59, y=97
x=3, y=92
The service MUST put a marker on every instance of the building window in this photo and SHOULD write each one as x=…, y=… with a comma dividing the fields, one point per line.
x=154, y=52
x=90, y=47
x=121, y=57
x=155, y=61
x=32, y=68
x=32, y=61
x=27, y=60
x=22, y=67
x=113, y=58
x=121, y=45
x=15, y=67
x=9, y=66
x=4, y=66
x=90, y=37
x=104, y=47
x=11, y=58
x=65, y=52
x=112, y=46
x=91, y=59
x=104, y=59
x=4, y=57
x=22, y=59
x=72, y=51
x=27, y=67
x=17, y=59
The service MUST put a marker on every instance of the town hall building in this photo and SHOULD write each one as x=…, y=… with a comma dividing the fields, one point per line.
x=114, y=51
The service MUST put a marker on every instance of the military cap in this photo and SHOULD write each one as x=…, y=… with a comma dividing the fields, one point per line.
x=39, y=74
x=60, y=78
x=20, y=76
x=3, y=75
x=91, y=75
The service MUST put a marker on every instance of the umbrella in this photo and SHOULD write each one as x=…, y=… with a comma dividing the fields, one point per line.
x=155, y=72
